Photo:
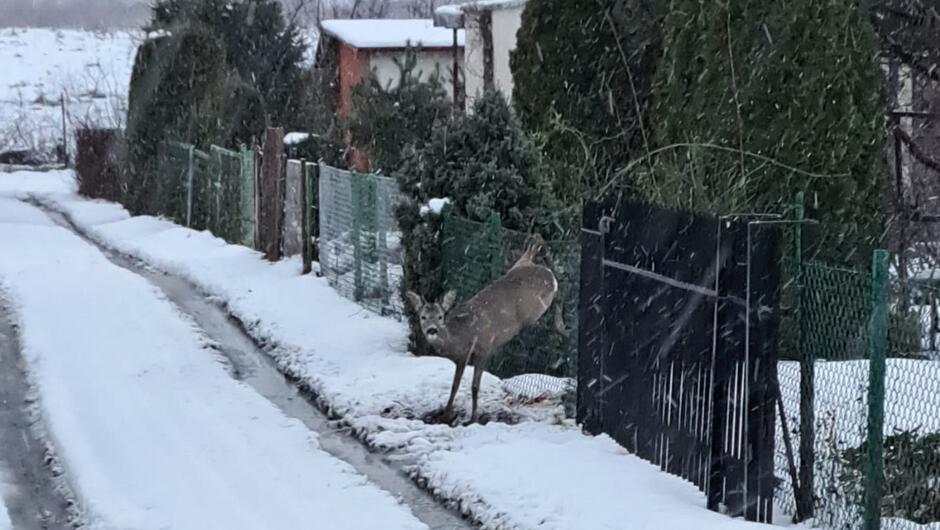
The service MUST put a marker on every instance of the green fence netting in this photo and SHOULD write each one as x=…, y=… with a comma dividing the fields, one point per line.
x=474, y=254
x=210, y=190
x=870, y=433
x=360, y=244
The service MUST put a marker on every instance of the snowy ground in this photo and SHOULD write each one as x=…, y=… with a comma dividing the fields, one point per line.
x=90, y=69
x=536, y=474
x=151, y=429
x=912, y=402
x=5, y=523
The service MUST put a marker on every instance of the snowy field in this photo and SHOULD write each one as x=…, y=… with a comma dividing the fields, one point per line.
x=152, y=431
x=536, y=474
x=90, y=69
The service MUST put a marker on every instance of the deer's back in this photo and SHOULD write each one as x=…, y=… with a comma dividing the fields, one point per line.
x=500, y=310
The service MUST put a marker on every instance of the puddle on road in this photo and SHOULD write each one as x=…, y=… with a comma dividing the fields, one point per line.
x=250, y=364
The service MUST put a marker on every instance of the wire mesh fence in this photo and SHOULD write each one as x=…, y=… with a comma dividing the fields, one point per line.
x=210, y=190
x=862, y=403
x=475, y=253
x=359, y=243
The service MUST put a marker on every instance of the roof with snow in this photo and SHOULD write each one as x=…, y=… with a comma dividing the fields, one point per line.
x=391, y=33
x=485, y=5
x=451, y=16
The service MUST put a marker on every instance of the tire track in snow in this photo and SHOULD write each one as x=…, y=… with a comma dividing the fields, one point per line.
x=247, y=362
x=35, y=494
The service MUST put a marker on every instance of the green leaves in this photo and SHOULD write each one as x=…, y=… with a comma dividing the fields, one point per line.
x=795, y=83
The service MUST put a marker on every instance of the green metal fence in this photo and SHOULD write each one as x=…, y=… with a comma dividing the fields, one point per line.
x=212, y=190
x=359, y=243
x=862, y=401
x=474, y=254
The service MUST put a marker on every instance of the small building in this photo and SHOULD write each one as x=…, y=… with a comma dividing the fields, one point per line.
x=359, y=46
x=491, y=27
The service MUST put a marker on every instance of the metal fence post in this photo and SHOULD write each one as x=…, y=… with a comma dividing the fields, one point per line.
x=189, y=185
x=494, y=236
x=877, y=342
x=356, y=235
x=304, y=217
x=804, y=501
x=216, y=180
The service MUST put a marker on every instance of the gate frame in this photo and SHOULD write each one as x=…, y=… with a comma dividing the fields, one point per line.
x=591, y=404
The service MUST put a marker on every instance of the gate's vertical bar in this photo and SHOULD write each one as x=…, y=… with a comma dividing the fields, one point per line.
x=189, y=185
x=714, y=472
x=804, y=500
x=591, y=338
x=877, y=342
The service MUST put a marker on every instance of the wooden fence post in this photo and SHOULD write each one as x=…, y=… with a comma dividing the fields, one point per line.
x=270, y=193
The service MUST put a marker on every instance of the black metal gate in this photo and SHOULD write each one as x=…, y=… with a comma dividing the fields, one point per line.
x=677, y=346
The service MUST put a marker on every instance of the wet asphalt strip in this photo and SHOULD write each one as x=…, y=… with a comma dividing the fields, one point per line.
x=248, y=362
x=28, y=483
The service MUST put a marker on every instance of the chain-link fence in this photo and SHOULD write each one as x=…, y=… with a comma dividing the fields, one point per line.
x=213, y=191
x=475, y=254
x=862, y=402
x=360, y=244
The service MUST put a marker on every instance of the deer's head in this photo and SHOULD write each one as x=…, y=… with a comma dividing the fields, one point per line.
x=431, y=316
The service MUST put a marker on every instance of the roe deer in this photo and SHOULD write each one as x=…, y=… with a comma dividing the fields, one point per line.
x=473, y=330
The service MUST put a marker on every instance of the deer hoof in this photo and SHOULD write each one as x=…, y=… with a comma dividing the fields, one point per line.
x=448, y=416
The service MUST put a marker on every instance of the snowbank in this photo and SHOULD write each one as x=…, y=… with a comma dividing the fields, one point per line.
x=151, y=429
x=22, y=183
x=536, y=474
x=5, y=523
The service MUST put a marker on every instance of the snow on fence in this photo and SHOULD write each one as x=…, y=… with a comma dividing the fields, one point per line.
x=359, y=243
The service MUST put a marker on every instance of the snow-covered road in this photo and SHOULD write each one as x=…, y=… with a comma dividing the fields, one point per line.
x=150, y=427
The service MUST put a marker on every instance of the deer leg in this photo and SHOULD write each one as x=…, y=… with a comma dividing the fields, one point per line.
x=478, y=368
x=458, y=375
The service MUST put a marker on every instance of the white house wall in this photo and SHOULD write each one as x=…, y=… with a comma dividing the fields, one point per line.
x=506, y=23
x=383, y=63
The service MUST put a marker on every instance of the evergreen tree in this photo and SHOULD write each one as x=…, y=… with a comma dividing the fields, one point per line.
x=263, y=49
x=176, y=85
x=774, y=98
x=581, y=70
x=386, y=120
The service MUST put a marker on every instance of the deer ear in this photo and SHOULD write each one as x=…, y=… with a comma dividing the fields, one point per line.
x=416, y=301
x=449, y=298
